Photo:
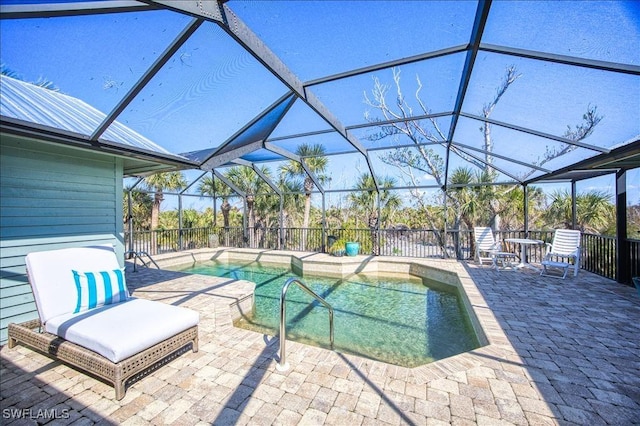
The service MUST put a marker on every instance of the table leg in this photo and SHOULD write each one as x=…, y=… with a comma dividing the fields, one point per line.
x=523, y=259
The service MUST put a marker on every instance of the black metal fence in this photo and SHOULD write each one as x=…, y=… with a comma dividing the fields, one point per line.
x=171, y=240
x=634, y=246
x=598, y=252
x=599, y=255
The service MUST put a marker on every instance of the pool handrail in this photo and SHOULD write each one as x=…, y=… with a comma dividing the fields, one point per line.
x=283, y=365
x=138, y=255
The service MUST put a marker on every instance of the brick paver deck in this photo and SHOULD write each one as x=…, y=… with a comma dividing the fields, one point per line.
x=562, y=352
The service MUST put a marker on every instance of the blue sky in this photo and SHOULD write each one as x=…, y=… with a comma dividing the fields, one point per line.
x=211, y=87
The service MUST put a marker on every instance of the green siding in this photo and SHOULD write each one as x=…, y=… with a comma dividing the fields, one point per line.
x=51, y=196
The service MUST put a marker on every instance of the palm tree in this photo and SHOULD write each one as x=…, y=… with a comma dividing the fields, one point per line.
x=292, y=190
x=215, y=188
x=190, y=218
x=141, y=205
x=314, y=158
x=512, y=211
x=475, y=203
x=465, y=201
x=158, y=183
x=594, y=211
x=41, y=82
x=137, y=215
x=268, y=215
x=467, y=205
x=251, y=184
x=365, y=198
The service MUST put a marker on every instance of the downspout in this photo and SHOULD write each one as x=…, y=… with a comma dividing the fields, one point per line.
x=378, y=241
x=444, y=240
x=324, y=225
x=130, y=204
x=281, y=223
x=130, y=220
x=245, y=235
x=215, y=204
x=623, y=257
x=525, y=208
x=180, y=247
x=574, y=207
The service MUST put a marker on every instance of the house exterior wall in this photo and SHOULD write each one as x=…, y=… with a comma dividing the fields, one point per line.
x=51, y=196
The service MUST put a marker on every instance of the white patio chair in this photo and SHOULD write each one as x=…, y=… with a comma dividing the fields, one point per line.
x=486, y=244
x=565, y=246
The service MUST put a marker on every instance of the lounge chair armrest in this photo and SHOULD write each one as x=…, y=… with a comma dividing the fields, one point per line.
x=575, y=254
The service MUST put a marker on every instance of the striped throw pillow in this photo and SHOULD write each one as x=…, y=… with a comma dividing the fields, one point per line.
x=101, y=288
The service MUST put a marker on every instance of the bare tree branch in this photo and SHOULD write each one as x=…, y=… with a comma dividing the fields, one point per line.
x=511, y=76
x=581, y=131
x=426, y=159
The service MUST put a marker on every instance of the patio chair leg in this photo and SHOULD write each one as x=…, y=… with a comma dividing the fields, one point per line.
x=119, y=388
x=565, y=271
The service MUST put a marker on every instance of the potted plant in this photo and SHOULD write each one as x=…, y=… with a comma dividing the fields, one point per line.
x=352, y=248
x=349, y=234
x=337, y=248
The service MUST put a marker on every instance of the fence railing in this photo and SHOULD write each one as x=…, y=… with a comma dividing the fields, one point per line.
x=634, y=249
x=170, y=240
x=598, y=252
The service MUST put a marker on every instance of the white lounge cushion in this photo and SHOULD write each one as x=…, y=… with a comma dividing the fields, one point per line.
x=120, y=330
x=54, y=287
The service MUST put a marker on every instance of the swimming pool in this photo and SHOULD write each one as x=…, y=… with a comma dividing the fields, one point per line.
x=402, y=321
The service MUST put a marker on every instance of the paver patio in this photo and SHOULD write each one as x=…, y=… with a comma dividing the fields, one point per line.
x=561, y=352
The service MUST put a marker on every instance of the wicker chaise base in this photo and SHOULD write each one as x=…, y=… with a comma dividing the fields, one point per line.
x=116, y=373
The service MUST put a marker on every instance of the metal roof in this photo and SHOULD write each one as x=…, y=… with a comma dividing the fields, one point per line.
x=38, y=106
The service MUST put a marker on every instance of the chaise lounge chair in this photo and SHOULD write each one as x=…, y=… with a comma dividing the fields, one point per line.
x=88, y=320
x=564, y=249
x=486, y=244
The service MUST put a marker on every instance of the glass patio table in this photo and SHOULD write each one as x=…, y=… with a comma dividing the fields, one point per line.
x=524, y=243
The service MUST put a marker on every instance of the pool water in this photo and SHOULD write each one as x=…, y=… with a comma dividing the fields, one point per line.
x=397, y=321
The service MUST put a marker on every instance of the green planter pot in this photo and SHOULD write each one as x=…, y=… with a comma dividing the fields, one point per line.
x=352, y=248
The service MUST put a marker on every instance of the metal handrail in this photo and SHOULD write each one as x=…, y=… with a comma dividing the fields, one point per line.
x=283, y=365
x=138, y=255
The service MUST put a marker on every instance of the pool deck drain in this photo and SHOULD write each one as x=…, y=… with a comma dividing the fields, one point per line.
x=559, y=352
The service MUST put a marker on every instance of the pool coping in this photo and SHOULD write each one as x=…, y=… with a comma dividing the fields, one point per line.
x=496, y=346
